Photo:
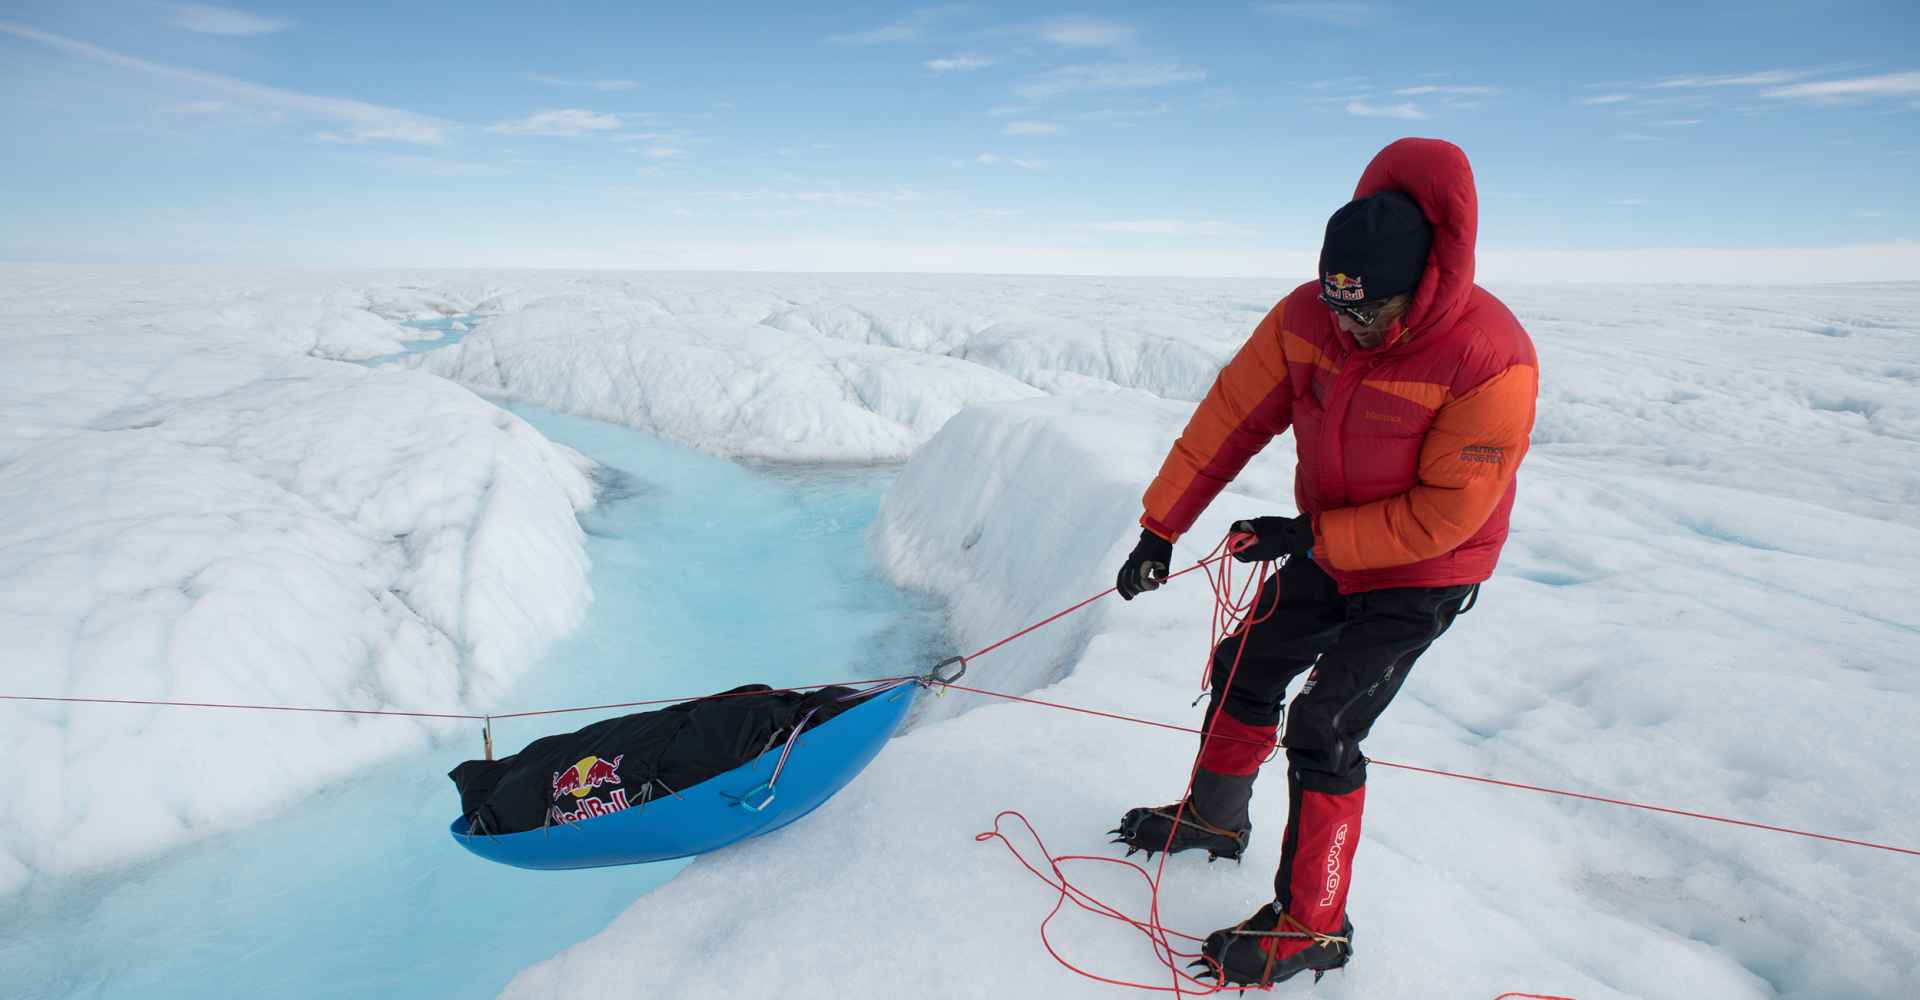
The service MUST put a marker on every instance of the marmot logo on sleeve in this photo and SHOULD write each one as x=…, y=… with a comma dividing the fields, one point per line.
x=1482, y=453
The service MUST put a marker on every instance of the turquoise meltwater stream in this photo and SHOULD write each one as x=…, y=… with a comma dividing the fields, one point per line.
x=706, y=573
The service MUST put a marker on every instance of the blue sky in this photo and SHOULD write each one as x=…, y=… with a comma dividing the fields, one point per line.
x=855, y=135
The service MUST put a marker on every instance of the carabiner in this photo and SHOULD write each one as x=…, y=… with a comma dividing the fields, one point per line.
x=934, y=676
x=746, y=801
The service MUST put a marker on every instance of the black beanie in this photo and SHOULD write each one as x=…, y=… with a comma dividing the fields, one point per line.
x=1376, y=248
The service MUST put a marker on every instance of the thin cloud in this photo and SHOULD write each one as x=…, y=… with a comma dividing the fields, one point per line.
x=363, y=122
x=1170, y=227
x=1606, y=99
x=1675, y=122
x=1339, y=15
x=1124, y=115
x=1083, y=32
x=1407, y=110
x=215, y=114
x=910, y=28
x=197, y=108
x=561, y=122
x=1885, y=85
x=1340, y=83
x=1763, y=78
x=561, y=81
x=426, y=165
x=210, y=20
x=858, y=198
x=1218, y=98
x=1032, y=128
x=666, y=148
x=995, y=160
x=1428, y=88
x=958, y=64
x=830, y=198
x=1103, y=77
x=1695, y=100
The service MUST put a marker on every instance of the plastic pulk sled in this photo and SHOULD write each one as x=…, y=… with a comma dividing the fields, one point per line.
x=619, y=792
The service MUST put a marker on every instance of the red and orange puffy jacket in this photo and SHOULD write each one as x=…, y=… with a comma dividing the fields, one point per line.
x=1408, y=452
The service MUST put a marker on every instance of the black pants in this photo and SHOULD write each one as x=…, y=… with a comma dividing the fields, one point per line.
x=1359, y=647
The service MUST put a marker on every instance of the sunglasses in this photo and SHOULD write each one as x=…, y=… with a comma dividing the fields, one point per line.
x=1361, y=315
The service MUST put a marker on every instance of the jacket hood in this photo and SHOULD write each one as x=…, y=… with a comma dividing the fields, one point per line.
x=1435, y=174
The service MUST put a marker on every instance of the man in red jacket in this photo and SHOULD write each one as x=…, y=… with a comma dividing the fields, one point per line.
x=1410, y=392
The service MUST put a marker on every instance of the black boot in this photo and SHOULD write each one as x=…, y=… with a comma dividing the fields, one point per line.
x=1214, y=820
x=1271, y=947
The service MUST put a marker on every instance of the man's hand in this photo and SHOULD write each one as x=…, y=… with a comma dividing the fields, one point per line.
x=1146, y=568
x=1275, y=537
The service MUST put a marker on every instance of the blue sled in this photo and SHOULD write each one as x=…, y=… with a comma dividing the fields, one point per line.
x=719, y=811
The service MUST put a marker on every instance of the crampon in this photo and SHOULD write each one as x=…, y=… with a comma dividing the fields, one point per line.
x=1147, y=829
x=1270, y=947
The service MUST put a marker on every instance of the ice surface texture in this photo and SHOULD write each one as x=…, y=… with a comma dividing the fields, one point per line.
x=1708, y=600
x=836, y=369
x=194, y=508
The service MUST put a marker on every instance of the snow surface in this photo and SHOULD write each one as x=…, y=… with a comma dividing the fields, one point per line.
x=1708, y=601
x=423, y=918
x=836, y=368
x=193, y=507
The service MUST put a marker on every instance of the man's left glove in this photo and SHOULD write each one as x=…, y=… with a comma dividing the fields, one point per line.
x=1275, y=537
x=1146, y=568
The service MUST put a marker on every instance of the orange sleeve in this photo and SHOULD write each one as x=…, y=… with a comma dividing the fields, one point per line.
x=1467, y=463
x=1250, y=403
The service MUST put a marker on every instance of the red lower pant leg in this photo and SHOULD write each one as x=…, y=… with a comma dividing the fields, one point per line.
x=1317, y=859
x=1234, y=747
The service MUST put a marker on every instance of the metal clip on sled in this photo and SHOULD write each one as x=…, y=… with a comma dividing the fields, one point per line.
x=758, y=799
x=934, y=676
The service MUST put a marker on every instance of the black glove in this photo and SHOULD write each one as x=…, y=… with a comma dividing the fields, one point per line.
x=1146, y=567
x=1276, y=537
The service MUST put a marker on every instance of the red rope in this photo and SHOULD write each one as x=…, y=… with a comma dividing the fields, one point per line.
x=1453, y=774
x=1215, y=557
x=1650, y=808
x=1233, y=613
x=449, y=715
x=250, y=708
x=1086, y=901
x=698, y=697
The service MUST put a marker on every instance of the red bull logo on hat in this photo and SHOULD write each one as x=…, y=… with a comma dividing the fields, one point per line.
x=1345, y=287
x=586, y=775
